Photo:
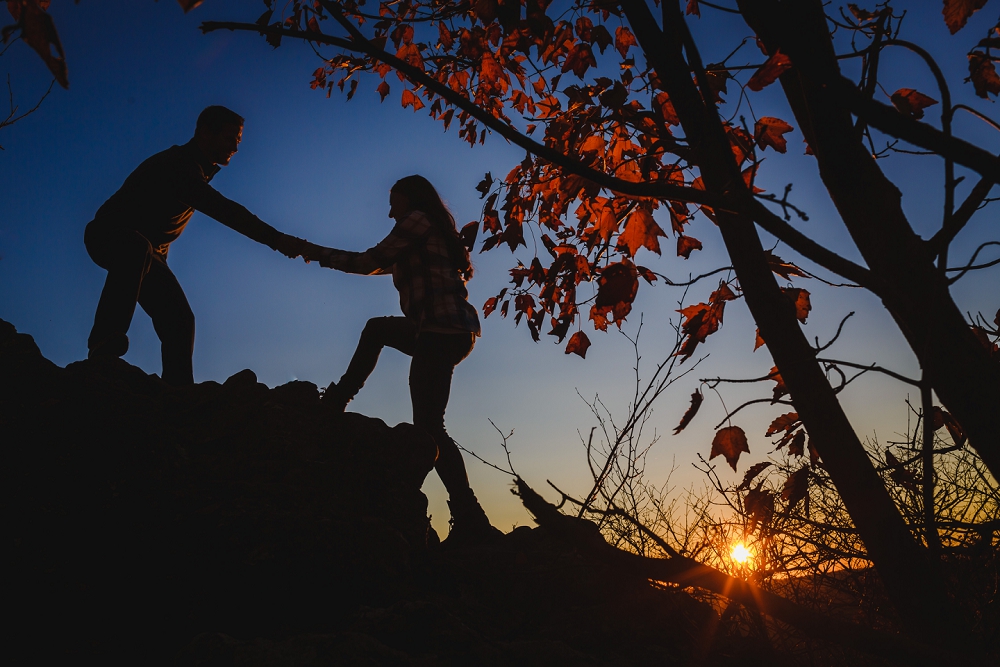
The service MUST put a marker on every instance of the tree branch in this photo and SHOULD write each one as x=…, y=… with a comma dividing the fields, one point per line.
x=419, y=77
x=887, y=119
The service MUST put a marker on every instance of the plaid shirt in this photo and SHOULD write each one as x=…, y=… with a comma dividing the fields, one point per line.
x=431, y=291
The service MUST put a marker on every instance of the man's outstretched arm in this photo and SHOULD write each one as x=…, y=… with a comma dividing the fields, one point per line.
x=203, y=197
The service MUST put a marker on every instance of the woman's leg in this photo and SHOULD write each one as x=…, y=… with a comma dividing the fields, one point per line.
x=395, y=332
x=434, y=361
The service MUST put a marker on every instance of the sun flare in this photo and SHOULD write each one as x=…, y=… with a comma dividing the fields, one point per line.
x=740, y=554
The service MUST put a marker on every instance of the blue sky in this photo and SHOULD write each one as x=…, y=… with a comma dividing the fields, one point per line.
x=321, y=168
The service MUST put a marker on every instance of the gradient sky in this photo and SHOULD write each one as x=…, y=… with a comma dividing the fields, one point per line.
x=140, y=71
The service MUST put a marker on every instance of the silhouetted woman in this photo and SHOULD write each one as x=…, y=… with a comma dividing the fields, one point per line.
x=429, y=265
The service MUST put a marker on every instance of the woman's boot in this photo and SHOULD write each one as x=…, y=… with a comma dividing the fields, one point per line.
x=469, y=523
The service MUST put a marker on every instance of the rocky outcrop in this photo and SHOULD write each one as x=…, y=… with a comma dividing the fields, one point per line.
x=233, y=524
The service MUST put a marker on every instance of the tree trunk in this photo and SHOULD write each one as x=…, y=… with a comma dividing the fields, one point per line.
x=958, y=367
x=891, y=547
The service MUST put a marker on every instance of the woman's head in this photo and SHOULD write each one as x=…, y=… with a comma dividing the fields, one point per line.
x=415, y=193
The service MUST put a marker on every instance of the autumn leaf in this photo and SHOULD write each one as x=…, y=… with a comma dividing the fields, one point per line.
x=666, y=109
x=579, y=59
x=730, y=442
x=759, y=505
x=696, y=399
x=759, y=342
x=797, y=444
x=862, y=15
x=188, y=5
x=954, y=428
x=39, y=32
x=813, y=453
x=983, y=75
x=687, y=244
x=752, y=473
x=578, y=344
x=616, y=290
x=624, y=39
x=641, y=231
x=768, y=73
x=783, y=423
x=957, y=12
x=795, y=487
x=383, y=90
x=489, y=306
x=769, y=131
x=692, y=8
x=911, y=102
x=483, y=187
x=784, y=269
x=409, y=99
x=800, y=299
x=899, y=474
x=779, y=387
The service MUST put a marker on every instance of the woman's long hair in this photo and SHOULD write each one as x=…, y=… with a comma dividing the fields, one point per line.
x=421, y=196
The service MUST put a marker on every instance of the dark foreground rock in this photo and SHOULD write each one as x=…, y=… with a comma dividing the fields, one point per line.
x=232, y=524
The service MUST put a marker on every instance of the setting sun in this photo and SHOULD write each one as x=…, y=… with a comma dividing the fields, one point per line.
x=740, y=554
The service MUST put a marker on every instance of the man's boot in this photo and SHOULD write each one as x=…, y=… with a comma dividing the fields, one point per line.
x=113, y=346
x=469, y=523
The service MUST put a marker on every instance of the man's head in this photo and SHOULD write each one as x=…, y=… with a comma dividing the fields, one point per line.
x=218, y=133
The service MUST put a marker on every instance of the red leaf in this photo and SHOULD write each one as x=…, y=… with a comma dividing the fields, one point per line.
x=445, y=38
x=489, y=306
x=696, y=399
x=759, y=505
x=767, y=73
x=795, y=487
x=813, y=454
x=409, y=99
x=687, y=244
x=730, y=442
x=957, y=12
x=983, y=75
x=752, y=473
x=623, y=40
x=578, y=344
x=779, y=387
x=188, y=5
x=784, y=269
x=616, y=291
x=579, y=59
x=954, y=428
x=692, y=8
x=39, y=32
x=797, y=445
x=769, y=131
x=783, y=423
x=911, y=102
x=641, y=231
x=758, y=342
x=800, y=298
x=646, y=274
x=666, y=109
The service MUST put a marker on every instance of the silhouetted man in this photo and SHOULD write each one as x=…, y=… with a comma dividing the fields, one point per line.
x=132, y=232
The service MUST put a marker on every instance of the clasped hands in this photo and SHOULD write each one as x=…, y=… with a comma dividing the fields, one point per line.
x=292, y=247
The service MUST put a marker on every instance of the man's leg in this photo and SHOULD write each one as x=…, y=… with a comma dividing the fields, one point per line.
x=163, y=299
x=126, y=255
x=395, y=332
